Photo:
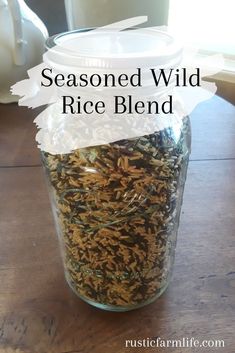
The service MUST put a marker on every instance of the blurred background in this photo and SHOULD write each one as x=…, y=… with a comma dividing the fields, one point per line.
x=208, y=24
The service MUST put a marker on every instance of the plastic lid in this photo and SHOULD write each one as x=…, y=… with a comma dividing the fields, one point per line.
x=112, y=49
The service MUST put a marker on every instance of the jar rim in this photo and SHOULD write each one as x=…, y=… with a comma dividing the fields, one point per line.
x=104, y=48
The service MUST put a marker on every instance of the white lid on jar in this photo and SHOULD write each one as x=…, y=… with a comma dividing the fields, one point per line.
x=111, y=49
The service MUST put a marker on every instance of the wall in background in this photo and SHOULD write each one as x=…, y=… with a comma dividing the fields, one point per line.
x=52, y=13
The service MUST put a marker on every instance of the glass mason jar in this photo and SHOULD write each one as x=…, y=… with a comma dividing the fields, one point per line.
x=117, y=209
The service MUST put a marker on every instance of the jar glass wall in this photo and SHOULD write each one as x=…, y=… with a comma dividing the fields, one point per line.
x=117, y=205
x=117, y=209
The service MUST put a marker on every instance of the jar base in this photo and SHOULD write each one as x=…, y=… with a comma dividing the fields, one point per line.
x=117, y=308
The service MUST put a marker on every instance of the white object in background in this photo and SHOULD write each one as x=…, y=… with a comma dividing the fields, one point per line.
x=22, y=38
x=93, y=13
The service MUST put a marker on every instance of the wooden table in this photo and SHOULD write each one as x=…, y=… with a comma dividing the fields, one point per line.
x=40, y=314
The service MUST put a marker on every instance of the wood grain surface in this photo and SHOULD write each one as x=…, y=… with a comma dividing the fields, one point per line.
x=40, y=314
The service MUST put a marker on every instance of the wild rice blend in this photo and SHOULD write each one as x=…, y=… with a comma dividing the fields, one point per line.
x=118, y=208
